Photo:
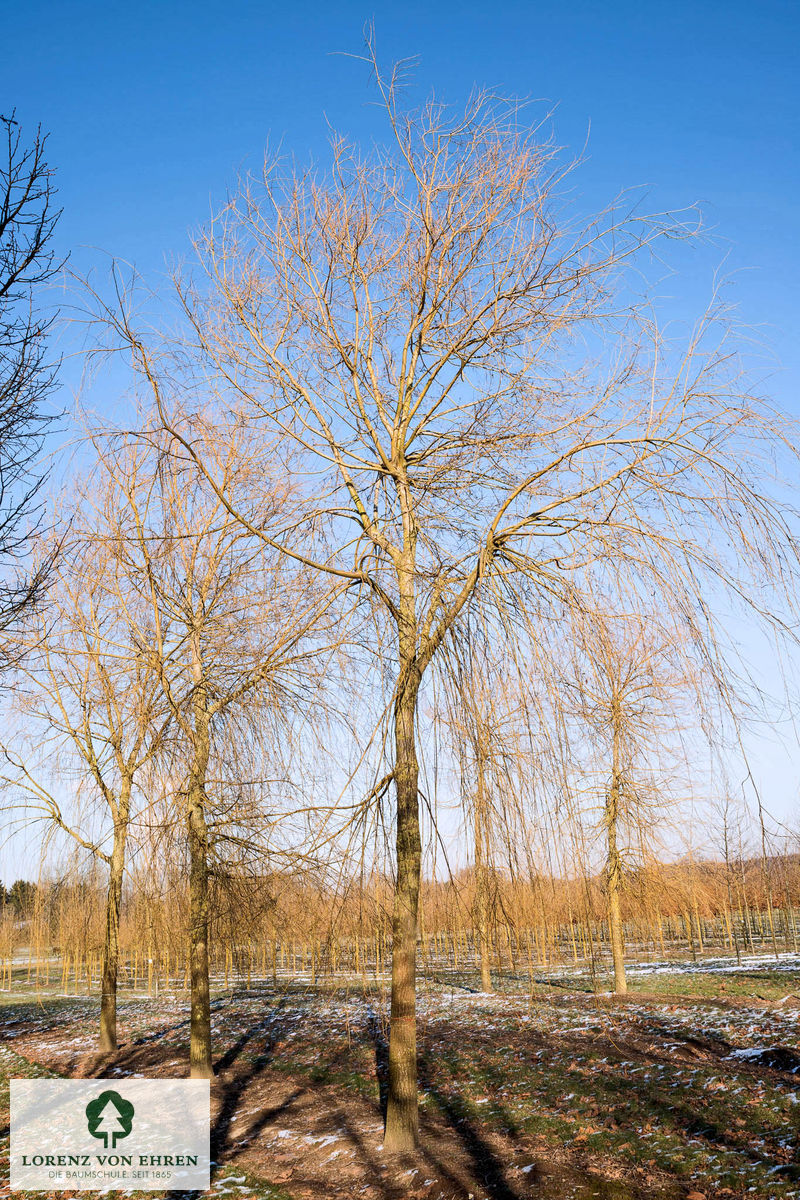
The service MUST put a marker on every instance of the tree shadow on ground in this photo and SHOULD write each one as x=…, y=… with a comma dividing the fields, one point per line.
x=263, y=1035
x=381, y=1047
x=486, y=1162
x=482, y=1158
x=266, y=1034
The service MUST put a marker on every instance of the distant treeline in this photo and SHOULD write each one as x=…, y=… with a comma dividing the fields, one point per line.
x=20, y=897
x=66, y=915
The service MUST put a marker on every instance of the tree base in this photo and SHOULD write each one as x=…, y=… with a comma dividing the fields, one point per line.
x=401, y=1135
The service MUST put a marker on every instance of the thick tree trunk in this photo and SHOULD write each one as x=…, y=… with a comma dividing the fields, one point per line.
x=615, y=922
x=200, y=1065
x=108, y=998
x=200, y=1023
x=402, y=1121
x=614, y=866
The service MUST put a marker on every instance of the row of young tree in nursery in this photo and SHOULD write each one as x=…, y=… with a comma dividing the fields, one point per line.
x=410, y=465
x=503, y=928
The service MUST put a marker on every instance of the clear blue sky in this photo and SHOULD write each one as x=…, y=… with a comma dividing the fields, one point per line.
x=153, y=106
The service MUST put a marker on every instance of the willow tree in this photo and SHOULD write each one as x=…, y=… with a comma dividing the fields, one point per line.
x=92, y=718
x=229, y=642
x=637, y=695
x=477, y=408
x=483, y=722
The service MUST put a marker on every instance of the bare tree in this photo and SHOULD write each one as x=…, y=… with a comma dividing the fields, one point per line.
x=94, y=720
x=229, y=640
x=411, y=322
x=28, y=221
x=628, y=684
x=481, y=714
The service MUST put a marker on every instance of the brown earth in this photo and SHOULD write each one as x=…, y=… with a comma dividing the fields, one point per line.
x=315, y=1139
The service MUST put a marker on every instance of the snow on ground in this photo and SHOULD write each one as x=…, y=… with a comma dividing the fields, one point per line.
x=719, y=966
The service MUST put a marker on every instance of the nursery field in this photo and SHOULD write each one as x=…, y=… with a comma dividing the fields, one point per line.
x=687, y=1088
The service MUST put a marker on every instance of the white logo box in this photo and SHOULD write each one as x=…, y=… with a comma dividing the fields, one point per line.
x=109, y=1134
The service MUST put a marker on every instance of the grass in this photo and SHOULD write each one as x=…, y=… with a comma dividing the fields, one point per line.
x=712, y=985
x=562, y=1073
x=702, y=1125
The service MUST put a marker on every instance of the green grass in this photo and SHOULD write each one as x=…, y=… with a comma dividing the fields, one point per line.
x=716, y=985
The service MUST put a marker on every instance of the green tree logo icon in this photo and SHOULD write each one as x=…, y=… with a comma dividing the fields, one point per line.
x=109, y=1117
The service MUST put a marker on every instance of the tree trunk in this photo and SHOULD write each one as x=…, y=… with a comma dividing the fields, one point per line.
x=200, y=1021
x=481, y=916
x=486, y=973
x=615, y=930
x=614, y=865
x=108, y=997
x=200, y=1024
x=402, y=1120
